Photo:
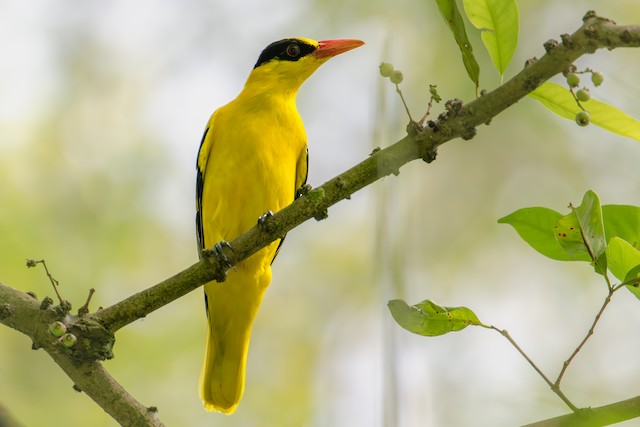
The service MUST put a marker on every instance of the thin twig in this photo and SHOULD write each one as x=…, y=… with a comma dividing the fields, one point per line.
x=606, y=302
x=554, y=387
x=404, y=103
x=85, y=308
x=54, y=282
x=424, y=118
x=434, y=97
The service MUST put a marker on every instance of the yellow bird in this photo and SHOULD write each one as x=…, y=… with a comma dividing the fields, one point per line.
x=252, y=160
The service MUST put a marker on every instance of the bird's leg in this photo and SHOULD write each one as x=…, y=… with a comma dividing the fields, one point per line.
x=264, y=222
x=218, y=252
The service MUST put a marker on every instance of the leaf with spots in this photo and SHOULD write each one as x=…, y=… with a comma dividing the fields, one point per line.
x=581, y=232
x=568, y=235
x=535, y=226
x=607, y=236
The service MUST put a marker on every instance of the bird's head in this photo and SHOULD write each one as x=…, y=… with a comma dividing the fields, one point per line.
x=284, y=65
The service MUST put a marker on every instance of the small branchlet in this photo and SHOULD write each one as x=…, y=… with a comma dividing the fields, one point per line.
x=32, y=263
x=85, y=307
x=433, y=90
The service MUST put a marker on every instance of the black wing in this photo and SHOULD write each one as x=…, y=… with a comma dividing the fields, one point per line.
x=297, y=194
x=199, y=188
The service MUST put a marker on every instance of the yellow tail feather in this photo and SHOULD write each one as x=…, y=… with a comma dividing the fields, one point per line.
x=232, y=307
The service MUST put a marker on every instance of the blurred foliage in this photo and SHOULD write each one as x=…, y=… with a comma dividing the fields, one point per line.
x=101, y=115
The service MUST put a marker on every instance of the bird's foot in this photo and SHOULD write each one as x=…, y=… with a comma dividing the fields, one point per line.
x=265, y=222
x=218, y=252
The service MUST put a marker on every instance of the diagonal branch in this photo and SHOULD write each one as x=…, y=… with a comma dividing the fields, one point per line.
x=458, y=121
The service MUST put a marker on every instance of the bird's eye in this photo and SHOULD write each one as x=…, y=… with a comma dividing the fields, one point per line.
x=293, y=50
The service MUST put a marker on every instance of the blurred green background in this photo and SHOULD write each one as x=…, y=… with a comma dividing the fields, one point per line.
x=102, y=106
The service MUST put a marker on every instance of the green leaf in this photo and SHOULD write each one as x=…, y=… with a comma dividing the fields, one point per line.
x=559, y=100
x=590, y=217
x=624, y=262
x=561, y=237
x=429, y=319
x=535, y=226
x=453, y=19
x=622, y=221
x=633, y=274
x=498, y=20
x=582, y=231
x=623, y=257
x=567, y=233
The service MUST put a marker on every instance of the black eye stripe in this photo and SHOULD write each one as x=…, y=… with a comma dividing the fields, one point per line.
x=285, y=50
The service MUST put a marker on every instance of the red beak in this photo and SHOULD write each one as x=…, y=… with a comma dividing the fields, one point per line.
x=331, y=48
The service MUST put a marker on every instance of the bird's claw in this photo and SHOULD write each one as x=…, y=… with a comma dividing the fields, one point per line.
x=218, y=251
x=264, y=222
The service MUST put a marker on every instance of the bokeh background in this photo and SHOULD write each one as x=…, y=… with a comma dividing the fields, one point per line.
x=102, y=106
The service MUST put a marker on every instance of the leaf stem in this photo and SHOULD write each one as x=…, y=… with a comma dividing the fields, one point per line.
x=554, y=387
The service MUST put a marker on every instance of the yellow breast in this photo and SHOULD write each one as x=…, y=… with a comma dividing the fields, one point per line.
x=252, y=166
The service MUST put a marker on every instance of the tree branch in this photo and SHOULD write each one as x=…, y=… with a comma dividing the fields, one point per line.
x=95, y=331
x=24, y=313
x=595, y=417
x=7, y=419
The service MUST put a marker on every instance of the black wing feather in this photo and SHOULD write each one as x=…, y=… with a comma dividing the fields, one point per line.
x=297, y=194
x=199, y=189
